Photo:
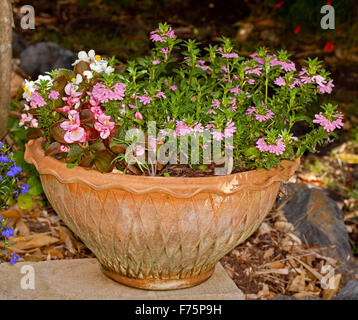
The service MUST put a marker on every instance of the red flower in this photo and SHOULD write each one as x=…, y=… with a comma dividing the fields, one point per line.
x=328, y=47
x=280, y=4
x=297, y=29
x=329, y=3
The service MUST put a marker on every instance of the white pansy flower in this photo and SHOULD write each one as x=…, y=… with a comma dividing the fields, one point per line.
x=88, y=74
x=86, y=57
x=29, y=89
x=45, y=78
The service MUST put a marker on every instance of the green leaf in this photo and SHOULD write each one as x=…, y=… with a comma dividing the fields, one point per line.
x=103, y=160
x=25, y=201
x=35, y=186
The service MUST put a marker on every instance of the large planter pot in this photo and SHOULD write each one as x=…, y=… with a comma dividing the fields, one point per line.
x=158, y=232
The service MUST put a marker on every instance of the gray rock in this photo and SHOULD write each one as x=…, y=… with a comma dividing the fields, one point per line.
x=348, y=292
x=45, y=56
x=18, y=45
x=317, y=219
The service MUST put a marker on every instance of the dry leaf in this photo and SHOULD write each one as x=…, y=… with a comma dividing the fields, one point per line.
x=276, y=265
x=22, y=227
x=268, y=253
x=332, y=286
x=35, y=256
x=10, y=214
x=35, y=214
x=55, y=253
x=349, y=158
x=38, y=241
x=298, y=284
x=283, y=226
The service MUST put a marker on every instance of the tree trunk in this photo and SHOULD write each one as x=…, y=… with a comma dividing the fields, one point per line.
x=5, y=62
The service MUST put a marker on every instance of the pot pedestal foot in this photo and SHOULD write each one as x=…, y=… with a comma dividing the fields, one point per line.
x=158, y=284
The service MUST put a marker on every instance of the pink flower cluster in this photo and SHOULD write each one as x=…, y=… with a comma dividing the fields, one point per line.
x=103, y=94
x=327, y=124
x=156, y=37
x=277, y=148
x=74, y=131
x=260, y=117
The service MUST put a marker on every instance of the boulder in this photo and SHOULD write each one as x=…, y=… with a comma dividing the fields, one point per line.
x=42, y=57
x=348, y=292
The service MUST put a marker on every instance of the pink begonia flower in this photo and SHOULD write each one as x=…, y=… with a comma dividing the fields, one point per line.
x=53, y=95
x=73, y=123
x=104, y=126
x=64, y=148
x=77, y=135
x=264, y=117
x=280, y=81
x=27, y=117
x=155, y=62
x=138, y=115
x=173, y=87
x=139, y=151
x=277, y=148
x=327, y=124
x=73, y=96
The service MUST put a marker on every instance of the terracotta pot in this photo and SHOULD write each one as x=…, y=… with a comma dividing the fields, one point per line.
x=158, y=232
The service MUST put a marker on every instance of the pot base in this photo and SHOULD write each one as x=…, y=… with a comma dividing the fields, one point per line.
x=158, y=284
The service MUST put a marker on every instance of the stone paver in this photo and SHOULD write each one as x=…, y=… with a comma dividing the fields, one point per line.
x=82, y=280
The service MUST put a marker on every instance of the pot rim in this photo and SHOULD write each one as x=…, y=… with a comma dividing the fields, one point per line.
x=179, y=187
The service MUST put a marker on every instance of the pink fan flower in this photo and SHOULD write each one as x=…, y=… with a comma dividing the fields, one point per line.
x=104, y=126
x=326, y=88
x=264, y=117
x=173, y=87
x=215, y=103
x=211, y=111
x=280, y=81
x=277, y=148
x=145, y=100
x=250, y=111
x=164, y=50
x=230, y=55
x=229, y=130
x=217, y=135
x=155, y=62
x=160, y=94
x=328, y=125
x=53, y=95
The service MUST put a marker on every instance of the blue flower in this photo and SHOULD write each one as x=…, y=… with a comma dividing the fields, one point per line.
x=24, y=188
x=8, y=232
x=14, y=258
x=13, y=171
x=1, y=219
x=1, y=144
x=4, y=159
